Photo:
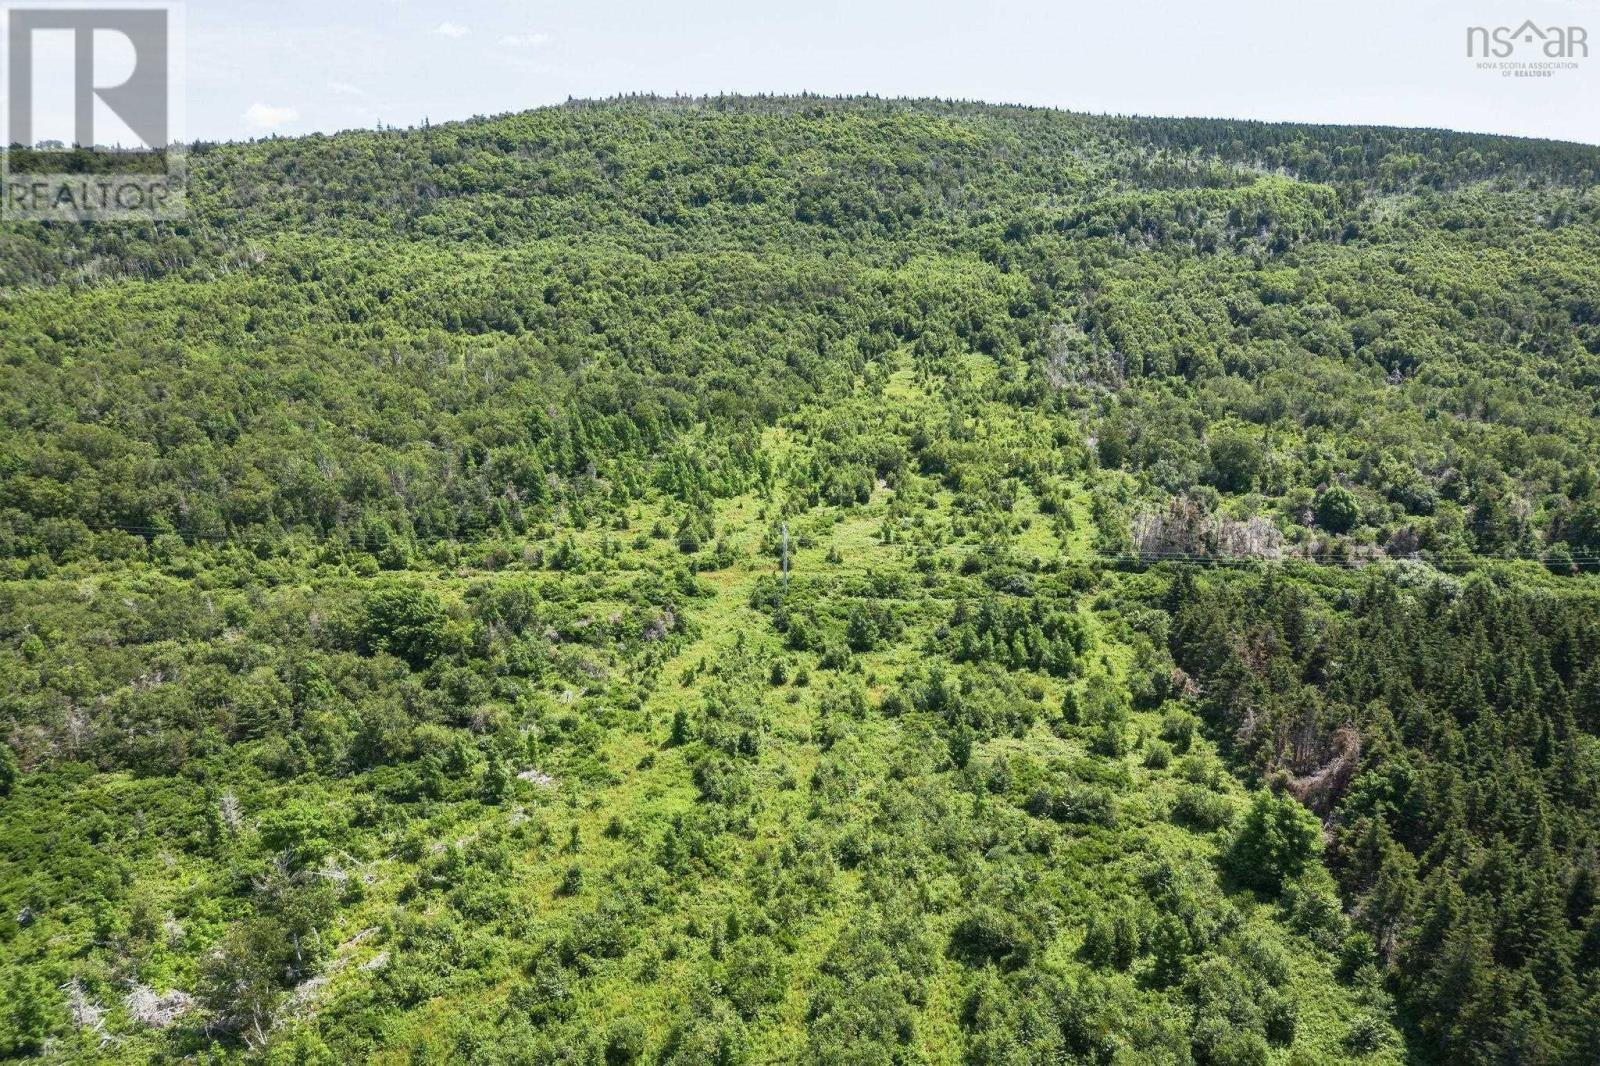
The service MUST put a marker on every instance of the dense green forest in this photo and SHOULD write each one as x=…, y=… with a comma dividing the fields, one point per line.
x=1189, y=651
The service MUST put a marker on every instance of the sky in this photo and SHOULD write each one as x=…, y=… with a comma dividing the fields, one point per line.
x=263, y=67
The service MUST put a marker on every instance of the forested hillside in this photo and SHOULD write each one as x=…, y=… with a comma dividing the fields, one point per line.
x=1190, y=650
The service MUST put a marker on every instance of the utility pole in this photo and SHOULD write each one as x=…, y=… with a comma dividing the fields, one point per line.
x=786, y=557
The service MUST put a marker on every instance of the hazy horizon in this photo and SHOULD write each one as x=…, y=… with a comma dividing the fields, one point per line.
x=294, y=67
x=691, y=98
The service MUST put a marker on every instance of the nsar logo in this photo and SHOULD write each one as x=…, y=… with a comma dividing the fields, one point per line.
x=1553, y=42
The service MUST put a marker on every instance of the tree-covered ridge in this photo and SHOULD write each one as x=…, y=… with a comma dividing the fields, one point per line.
x=857, y=175
x=1219, y=320
x=394, y=662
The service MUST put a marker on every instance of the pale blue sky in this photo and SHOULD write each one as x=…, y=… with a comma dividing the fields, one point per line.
x=294, y=66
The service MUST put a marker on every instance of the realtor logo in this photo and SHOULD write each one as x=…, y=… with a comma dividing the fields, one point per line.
x=93, y=103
